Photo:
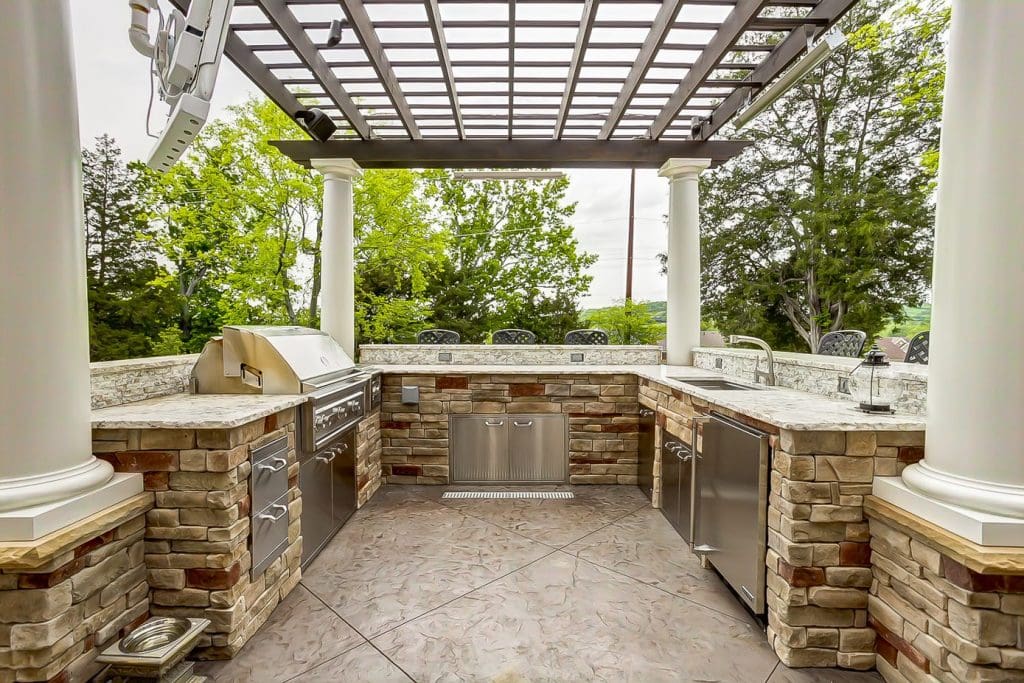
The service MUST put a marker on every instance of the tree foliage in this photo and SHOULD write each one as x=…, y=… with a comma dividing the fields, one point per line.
x=825, y=222
x=630, y=322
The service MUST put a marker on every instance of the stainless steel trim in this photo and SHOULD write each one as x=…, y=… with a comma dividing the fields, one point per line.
x=695, y=478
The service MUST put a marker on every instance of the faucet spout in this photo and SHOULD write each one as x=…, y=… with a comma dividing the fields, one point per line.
x=769, y=376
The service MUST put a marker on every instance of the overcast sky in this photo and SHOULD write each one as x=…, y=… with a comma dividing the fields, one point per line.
x=113, y=92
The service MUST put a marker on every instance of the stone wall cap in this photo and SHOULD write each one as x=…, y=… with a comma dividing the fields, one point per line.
x=998, y=560
x=28, y=555
x=110, y=366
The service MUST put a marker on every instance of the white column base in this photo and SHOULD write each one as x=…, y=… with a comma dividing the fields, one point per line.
x=31, y=523
x=980, y=527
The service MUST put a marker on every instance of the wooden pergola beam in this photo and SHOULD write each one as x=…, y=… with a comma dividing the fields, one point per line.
x=362, y=26
x=659, y=31
x=732, y=28
x=299, y=40
x=826, y=13
x=501, y=153
x=441, y=45
x=582, y=38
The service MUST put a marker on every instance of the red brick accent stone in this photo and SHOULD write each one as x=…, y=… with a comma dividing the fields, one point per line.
x=971, y=580
x=392, y=424
x=142, y=461
x=452, y=383
x=911, y=454
x=406, y=470
x=52, y=578
x=887, y=650
x=897, y=642
x=515, y=390
x=855, y=554
x=155, y=481
x=801, y=577
x=620, y=428
x=94, y=543
x=213, y=579
x=269, y=423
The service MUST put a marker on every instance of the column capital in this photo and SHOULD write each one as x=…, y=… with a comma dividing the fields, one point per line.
x=338, y=169
x=682, y=168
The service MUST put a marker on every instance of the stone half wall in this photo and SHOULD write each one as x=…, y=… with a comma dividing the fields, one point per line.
x=123, y=381
x=197, y=556
x=501, y=354
x=368, y=445
x=87, y=589
x=602, y=411
x=819, y=374
x=819, y=556
x=938, y=620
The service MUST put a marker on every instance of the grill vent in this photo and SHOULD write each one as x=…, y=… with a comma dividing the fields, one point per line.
x=508, y=494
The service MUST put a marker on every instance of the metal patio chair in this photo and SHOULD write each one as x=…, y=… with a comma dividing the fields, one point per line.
x=917, y=352
x=438, y=337
x=590, y=337
x=513, y=336
x=849, y=343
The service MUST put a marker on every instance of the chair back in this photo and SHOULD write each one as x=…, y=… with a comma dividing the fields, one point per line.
x=513, y=336
x=917, y=352
x=589, y=337
x=438, y=337
x=849, y=343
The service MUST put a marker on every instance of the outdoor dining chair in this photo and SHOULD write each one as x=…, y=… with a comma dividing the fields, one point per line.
x=513, y=336
x=591, y=337
x=438, y=337
x=849, y=343
x=917, y=352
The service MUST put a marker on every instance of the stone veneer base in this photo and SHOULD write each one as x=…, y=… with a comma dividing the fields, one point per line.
x=29, y=524
x=979, y=527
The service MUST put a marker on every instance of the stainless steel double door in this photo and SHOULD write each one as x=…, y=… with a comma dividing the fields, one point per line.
x=327, y=482
x=489, y=449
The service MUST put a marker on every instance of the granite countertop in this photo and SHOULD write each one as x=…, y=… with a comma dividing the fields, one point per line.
x=784, y=408
x=193, y=411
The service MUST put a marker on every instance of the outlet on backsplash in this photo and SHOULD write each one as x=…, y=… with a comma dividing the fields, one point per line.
x=843, y=385
x=718, y=363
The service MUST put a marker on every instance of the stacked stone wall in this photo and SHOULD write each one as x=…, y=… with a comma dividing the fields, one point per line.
x=601, y=409
x=197, y=552
x=57, y=616
x=936, y=619
x=125, y=381
x=368, y=445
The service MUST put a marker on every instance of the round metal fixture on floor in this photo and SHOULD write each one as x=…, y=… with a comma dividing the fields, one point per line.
x=155, y=634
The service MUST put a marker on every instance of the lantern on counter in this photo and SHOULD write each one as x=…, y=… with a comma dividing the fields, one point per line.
x=866, y=384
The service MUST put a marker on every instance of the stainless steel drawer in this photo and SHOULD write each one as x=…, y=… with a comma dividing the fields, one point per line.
x=269, y=479
x=269, y=534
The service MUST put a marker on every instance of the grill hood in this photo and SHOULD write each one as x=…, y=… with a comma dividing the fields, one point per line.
x=268, y=359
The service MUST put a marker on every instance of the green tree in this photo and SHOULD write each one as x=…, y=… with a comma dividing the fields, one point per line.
x=630, y=322
x=512, y=247
x=826, y=221
x=126, y=309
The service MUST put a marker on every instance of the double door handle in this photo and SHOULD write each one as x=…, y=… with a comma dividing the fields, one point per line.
x=517, y=423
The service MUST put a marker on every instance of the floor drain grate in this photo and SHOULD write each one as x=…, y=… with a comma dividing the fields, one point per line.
x=508, y=494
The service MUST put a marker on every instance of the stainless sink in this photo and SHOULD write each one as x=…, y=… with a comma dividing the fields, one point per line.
x=715, y=384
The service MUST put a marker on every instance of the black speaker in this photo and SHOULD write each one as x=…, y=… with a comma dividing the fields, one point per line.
x=316, y=123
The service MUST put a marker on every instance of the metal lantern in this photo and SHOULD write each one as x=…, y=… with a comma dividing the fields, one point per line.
x=866, y=384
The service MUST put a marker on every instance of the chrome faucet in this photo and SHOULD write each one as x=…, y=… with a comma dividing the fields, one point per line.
x=759, y=374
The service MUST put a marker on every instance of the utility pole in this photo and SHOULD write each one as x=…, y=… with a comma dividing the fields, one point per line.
x=629, y=243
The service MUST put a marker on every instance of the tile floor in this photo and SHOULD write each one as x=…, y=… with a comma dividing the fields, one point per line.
x=595, y=588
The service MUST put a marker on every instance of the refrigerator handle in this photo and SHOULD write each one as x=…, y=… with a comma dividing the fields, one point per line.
x=694, y=490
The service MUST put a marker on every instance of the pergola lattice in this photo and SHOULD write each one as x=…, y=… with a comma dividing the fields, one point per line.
x=590, y=71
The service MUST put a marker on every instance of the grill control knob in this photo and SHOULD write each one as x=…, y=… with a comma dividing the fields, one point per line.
x=353, y=405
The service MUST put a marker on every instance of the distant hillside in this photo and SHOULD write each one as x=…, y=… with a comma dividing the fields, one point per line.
x=657, y=309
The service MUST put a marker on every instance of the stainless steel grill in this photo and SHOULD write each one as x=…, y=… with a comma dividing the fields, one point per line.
x=257, y=359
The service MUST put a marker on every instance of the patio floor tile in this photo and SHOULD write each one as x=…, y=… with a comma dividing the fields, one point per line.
x=361, y=664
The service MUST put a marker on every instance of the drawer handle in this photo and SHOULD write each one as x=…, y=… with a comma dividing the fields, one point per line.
x=494, y=424
x=327, y=459
x=271, y=468
x=516, y=423
x=273, y=518
x=646, y=412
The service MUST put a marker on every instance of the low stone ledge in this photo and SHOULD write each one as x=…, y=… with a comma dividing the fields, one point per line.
x=124, y=381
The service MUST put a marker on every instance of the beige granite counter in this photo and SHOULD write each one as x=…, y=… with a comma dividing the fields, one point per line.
x=784, y=408
x=193, y=411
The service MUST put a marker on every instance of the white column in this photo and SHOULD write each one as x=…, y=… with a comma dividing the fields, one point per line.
x=974, y=455
x=337, y=259
x=683, y=308
x=45, y=439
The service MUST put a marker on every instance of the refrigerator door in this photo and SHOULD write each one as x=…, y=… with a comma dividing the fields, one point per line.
x=343, y=479
x=317, y=520
x=733, y=506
